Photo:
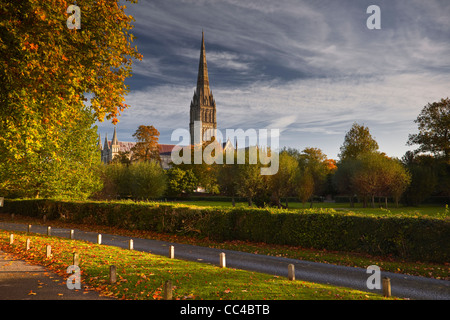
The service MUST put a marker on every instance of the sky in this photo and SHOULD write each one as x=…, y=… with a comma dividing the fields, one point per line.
x=310, y=68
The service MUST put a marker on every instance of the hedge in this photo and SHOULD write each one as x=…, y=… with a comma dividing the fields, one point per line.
x=411, y=238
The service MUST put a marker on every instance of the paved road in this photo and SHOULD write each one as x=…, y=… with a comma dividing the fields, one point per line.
x=404, y=286
x=20, y=280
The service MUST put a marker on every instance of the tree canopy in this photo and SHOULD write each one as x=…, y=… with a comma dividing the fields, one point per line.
x=47, y=74
x=357, y=141
x=434, y=129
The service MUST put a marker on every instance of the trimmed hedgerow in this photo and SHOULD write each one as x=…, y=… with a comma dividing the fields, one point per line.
x=412, y=238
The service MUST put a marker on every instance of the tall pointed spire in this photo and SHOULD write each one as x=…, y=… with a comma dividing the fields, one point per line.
x=203, y=79
x=114, y=141
x=203, y=105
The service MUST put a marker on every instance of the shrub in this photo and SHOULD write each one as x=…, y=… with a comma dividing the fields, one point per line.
x=412, y=238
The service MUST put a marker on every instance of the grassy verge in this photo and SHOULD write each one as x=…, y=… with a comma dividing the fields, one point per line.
x=142, y=275
x=417, y=268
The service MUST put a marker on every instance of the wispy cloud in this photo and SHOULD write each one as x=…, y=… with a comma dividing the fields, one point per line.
x=311, y=68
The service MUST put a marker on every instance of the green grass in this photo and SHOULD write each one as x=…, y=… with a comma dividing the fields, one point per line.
x=142, y=275
x=436, y=211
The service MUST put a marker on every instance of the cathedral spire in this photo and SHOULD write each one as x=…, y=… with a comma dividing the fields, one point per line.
x=203, y=105
x=203, y=79
x=114, y=141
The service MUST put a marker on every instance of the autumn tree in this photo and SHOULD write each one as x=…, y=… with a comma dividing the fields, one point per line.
x=54, y=83
x=358, y=140
x=146, y=147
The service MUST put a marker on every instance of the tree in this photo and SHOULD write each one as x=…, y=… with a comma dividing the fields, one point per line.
x=227, y=175
x=146, y=147
x=147, y=180
x=283, y=184
x=318, y=166
x=357, y=141
x=305, y=189
x=434, y=130
x=46, y=73
x=70, y=169
x=379, y=175
x=343, y=178
x=424, y=177
x=180, y=182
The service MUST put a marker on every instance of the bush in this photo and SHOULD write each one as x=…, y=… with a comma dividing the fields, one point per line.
x=412, y=238
x=140, y=180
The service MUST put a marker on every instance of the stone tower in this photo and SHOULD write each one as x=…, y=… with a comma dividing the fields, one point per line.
x=203, y=105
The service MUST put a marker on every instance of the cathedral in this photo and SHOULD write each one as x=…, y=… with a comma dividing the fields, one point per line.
x=202, y=108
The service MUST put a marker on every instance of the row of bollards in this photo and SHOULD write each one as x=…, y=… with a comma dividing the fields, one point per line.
x=386, y=284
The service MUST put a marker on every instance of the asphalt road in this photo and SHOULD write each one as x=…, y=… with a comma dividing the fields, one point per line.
x=404, y=286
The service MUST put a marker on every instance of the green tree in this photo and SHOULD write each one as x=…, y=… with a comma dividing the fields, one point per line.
x=357, y=141
x=70, y=169
x=180, y=182
x=434, y=130
x=147, y=180
x=227, y=178
x=343, y=178
x=305, y=189
x=283, y=183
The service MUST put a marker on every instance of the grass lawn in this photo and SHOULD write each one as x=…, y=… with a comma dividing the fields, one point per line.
x=142, y=275
x=437, y=211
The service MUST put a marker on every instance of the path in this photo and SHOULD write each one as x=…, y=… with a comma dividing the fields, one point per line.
x=402, y=285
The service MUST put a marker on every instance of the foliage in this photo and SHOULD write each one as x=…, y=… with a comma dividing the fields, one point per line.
x=146, y=147
x=357, y=141
x=147, y=180
x=70, y=169
x=139, y=180
x=180, y=182
x=47, y=71
x=283, y=183
x=408, y=237
x=434, y=129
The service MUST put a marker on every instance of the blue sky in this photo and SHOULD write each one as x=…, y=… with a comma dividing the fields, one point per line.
x=308, y=68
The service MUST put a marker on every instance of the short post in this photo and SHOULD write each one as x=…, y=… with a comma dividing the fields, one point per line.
x=222, y=260
x=386, y=287
x=28, y=244
x=29, y=228
x=171, y=252
x=11, y=238
x=112, y=274
x=167, y=294
x=48, y=251
x=130, y=244
x=44, y=217
x=76, y=259
x=72, y=234
x=291, y=272
x=99, y=239
x=49, y=231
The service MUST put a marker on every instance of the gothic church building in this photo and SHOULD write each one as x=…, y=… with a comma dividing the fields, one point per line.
x=202, y=108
